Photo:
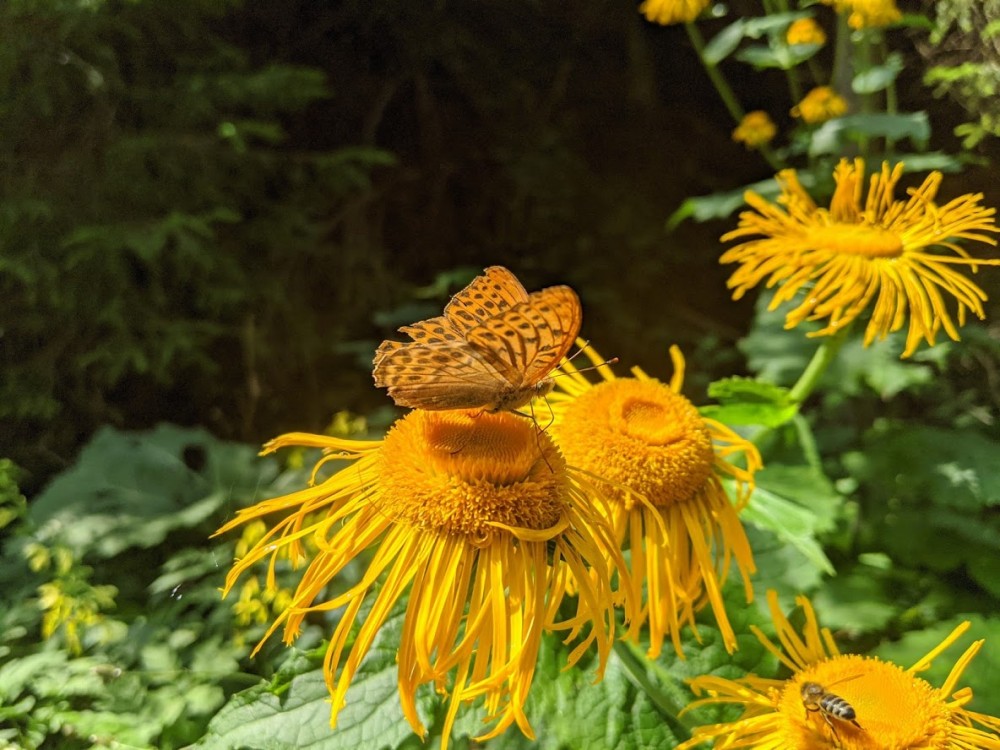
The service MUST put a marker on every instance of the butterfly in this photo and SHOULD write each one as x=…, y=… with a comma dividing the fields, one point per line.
x=493, y=348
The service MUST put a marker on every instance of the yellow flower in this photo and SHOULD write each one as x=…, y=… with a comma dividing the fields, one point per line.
x=819, y=105
x=667, y=12
x=867, y=14
x=478, y=519
x=755, y=129
x=664, y=464
x=853, y=256
x=893, y=708
x=805, y=31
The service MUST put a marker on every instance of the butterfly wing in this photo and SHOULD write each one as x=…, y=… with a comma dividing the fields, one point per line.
x=525, y=342
x=493, y=343
x=485, y=297
x=436, y=376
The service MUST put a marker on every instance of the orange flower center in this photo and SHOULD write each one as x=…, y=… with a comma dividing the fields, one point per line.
x=856, y=239
x=862, y=703
x=463, y=472
x=641, y=436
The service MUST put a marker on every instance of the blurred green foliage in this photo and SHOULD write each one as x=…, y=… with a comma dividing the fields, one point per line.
x=112, y=628
x=160, y=229
x=964, y=52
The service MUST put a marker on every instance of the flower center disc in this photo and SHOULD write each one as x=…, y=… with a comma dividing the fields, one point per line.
x=856, y=239
x=461, y=472
x=894, y=708
x=641, y=435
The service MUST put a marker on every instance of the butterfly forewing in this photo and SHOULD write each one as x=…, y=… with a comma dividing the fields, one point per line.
x=497, y=289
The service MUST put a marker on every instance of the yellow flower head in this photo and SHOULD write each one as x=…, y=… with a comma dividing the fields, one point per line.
x=819, y=105
x=867, y=14
x=755, y=129
x=874, y=705
x=663, y=464
x=667, y=12
x=476, y=515
x=805, y=31
x=886, y=254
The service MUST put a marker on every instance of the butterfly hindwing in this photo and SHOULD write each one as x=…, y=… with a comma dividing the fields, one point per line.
x=435, y=376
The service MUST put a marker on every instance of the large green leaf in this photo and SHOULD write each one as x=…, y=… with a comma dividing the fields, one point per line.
x=132, y=489
x=796, y=504
x=834, y=136
x=294, y=709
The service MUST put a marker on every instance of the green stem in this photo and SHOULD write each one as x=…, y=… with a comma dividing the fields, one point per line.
x=720, y=83
x=821, y=360
x=891, y=101
x=842, y=70
x=794, y=89
x=725, y=91
x=637, y=671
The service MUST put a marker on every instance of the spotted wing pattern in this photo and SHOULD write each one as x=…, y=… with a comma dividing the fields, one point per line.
x=494, y=344
x=526, y=342
x=484, y=298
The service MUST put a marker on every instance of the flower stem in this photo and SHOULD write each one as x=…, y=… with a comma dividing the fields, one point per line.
x=635, y=667
x=821, y=360
x=725, y=91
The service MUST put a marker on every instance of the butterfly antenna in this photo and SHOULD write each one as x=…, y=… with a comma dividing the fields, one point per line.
x=612, y=361
x=579, y=351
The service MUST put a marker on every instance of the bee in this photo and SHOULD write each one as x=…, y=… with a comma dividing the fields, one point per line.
x=815, y=697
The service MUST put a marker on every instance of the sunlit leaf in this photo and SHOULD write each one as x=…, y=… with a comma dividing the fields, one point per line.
x=132, y=489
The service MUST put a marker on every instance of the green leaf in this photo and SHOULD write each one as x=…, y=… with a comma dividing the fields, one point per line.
x=781, y=566
x=877, y=367
x=723, y=43
x=857, y=602
x=834, y=135
x=132, y=489
x=796, y=504
x=567, y=709
x=783, y=56
x=774, y=354
x=878, y=77
x=985, y=569
x=294, y=709
x=933, y=160
x=719, y=205
x=749, y=402
x=772, y=23
x=955, y=468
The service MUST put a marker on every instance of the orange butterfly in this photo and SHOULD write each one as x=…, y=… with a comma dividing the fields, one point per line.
x=492, y=349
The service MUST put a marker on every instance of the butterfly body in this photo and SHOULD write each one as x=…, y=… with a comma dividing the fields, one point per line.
x=491, y=350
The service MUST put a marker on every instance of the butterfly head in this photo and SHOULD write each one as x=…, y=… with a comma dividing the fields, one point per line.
x=513, y=398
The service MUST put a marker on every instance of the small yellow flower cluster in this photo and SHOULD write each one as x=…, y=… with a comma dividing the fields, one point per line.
x=70, y=603
x=755, y=129
x=819, y=105
x=867, y=14
x=805, y=31
x=667, y=12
